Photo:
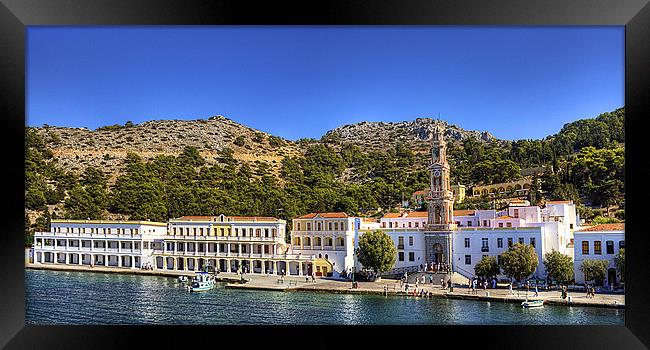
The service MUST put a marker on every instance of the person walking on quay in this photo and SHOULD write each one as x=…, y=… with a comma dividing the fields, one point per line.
x=431, y=279
x=442, y=283
x=536, y=293
x=510, y=288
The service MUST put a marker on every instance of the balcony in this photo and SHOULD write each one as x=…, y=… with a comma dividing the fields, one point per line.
x=485, y=249
x=226, y=238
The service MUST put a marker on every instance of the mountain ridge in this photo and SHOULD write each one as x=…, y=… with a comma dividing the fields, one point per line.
x=106, y=147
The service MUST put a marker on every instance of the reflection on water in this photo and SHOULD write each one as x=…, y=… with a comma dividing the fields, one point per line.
x=56, y=297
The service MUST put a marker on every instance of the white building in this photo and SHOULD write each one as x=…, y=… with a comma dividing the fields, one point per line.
x=329, y=237
x=474, y=218
x=600, y=242
x=97, y=242
x=546, y=229
x=230, y=244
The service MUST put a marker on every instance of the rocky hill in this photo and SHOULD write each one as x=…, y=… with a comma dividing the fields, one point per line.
x=416, y=133
x=106, y=147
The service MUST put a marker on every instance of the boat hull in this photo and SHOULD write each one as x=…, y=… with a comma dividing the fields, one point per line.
x=532, y=304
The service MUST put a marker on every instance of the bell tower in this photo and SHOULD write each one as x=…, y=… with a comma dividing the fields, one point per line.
x=440, y=197
x=440, y=205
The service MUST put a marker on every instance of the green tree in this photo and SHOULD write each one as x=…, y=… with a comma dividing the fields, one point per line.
x=559, y=267
x=376, y=250
x=191, y=156
x=594, y=270
x=275, y=141
x=534, y=194
x=519, y=262
x=29, y=233
x=487, y=267
x=239, y=141
x=88, y=199
x=619, y=259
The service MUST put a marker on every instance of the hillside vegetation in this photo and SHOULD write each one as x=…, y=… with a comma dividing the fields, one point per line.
x=336, y=173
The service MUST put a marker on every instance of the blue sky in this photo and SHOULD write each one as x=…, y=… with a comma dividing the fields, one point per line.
x=515, y=82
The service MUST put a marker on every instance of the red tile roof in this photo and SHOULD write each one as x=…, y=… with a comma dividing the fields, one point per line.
x=325, y=215
x=416, y=193
x=417, y=214
x=559, y=202
x=605, y=227
x=392, y=215
x=505, y=217
x=464, y=212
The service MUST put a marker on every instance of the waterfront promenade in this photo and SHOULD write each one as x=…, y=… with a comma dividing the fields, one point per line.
x=301, y=283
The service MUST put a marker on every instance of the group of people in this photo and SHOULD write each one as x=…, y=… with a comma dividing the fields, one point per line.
x=435, y=267
x=591, y=291
x=480, y=282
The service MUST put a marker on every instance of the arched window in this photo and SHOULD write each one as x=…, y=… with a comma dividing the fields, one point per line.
x=307, y=241
x=317, y=241
x=328, y=241
x=437, y=218
x=296, y=241
x=340, y=242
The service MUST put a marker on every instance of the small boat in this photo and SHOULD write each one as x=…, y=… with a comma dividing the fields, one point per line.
x=202, y=282
x=533, y=303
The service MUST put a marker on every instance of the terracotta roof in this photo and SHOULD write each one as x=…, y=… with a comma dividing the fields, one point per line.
x=464, y=212
x=605, y=227
x=559, y=202
x=392, y=215
x=417, y=214
x=324, y=215
x=419, y=192
x=505, y=217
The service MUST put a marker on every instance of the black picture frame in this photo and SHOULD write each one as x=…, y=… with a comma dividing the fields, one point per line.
x=15, y=15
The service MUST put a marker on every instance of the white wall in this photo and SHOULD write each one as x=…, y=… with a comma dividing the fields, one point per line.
x=475, y=249
x=591, y=237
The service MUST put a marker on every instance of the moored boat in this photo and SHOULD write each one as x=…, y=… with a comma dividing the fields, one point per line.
x=201, y=282
x=532, y=303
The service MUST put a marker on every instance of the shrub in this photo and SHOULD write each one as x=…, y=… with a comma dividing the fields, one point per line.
x=239, y=141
